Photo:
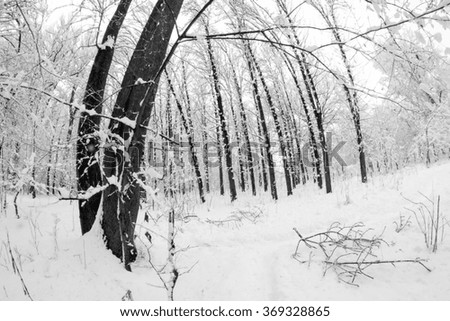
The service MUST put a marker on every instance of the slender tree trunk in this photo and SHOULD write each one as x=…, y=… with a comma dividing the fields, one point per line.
x=70, y=150
x=314, y=99
x=262, y=119
x=263, y=170
x=188, y=128
x=2, y=178
x=49, y=165
x=222, y=122
x=55, y=168
x=167, y=164
x=312, y=135
x=285, y=124
x=189, y=120
x=238, y=141
x=72, y=112
x=352, y=97
x=173, y=272
x=297, y=135
x=33, y=170
x=205, y=149
x=244, y=124
x=287, y=174
x=219, y=152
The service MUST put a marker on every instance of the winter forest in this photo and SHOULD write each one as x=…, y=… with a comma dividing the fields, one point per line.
x=224, y=150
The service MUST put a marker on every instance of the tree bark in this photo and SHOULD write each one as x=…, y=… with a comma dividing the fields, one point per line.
x=88, y=168
x=188, y=128
x=238, y=142
x=262, y=120
x=312, y=135
x=205, y=148
x=244, y=124
x=287, y=174
x=317, y=111
x=313, y=99
x=124, y=152
x=222, y=122
x=351, y=95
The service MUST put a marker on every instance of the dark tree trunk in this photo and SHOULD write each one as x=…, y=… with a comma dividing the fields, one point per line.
x=88, y=168
x=262, y=119
x=352, y=99
x=287, y=174
x=314, y=100
x=33, y=170
x=286, y=127
x=244, y=124
x=219, y=152
x=238, y=141
x=312, y=135
x=205, y=149
x=351, y=95
x=191, y=126
x=167, y=172
x=285, y=124
x=298, y=159
x=222, y=122
x=49, y=165
x=72, y=112
x=125, y=151
x=188, y=128
x=263, y=170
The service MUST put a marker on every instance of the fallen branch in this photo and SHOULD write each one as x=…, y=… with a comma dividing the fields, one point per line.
x=347, y=251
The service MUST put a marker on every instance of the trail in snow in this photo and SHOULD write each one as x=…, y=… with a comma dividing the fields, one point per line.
x=235, y=261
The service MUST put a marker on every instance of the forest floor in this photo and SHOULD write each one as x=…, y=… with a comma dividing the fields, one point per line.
x=239, y=251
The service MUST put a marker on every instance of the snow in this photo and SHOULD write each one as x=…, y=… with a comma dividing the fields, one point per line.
x=91, y=112
x=126, y=121
x=239, y=251
x=108, y=43
x=139, y=81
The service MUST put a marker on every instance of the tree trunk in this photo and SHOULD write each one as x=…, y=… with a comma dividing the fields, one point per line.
x=3, y=195
x=296, y=134
x=244, y=124
x=88, y=168
x=188, y=128
x=312, y=135
x=314, y=100
x=263, y=170
x=287, y=174
x=49, y=165
x=352, y=97
x=262, y=119
x=222, y=122
x=238, y=142
x=205, y=148
x=219, y=152
x=125, y=151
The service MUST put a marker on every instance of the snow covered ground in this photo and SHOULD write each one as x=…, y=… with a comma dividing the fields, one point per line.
x=239, y=251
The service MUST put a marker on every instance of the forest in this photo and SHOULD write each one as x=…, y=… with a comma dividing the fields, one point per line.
x=224, y=149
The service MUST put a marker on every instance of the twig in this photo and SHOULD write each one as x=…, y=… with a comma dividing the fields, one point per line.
x=16, y=269
x=419, y=261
